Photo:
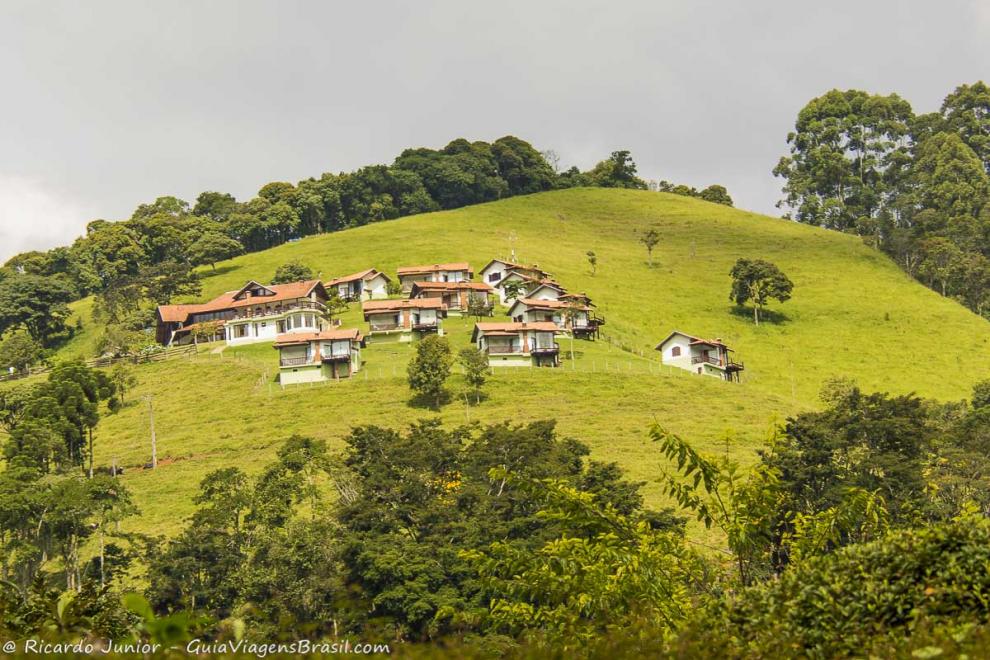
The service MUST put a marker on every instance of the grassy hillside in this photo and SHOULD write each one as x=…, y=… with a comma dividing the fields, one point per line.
x=853, y=313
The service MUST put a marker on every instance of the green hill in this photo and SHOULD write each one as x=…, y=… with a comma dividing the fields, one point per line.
x=853, y=313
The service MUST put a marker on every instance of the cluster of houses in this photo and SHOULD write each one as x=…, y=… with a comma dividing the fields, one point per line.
x=293, y=317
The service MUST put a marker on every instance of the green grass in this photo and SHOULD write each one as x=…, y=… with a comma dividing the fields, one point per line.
x=853, y=313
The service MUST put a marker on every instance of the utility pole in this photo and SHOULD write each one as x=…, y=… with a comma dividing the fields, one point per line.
x=154, y=444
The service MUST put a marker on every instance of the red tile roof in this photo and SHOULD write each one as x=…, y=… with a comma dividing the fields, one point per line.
x=369, y=274
x=292, y=290
x=380, y=306
x=549, y=304
x=414, y=270
x=541, y=326
x=291, y=338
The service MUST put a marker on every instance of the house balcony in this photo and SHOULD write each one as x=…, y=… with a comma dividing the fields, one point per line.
x=546, y=349
x=497, y=349
x=384, y=327
x=294, y=361
x=336, y=357
x=279, y=310
x=728, y=365
x=431, y=326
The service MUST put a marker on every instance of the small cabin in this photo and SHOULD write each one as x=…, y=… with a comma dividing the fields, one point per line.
x=368, y=284
x=457, y=296
x=317, y=356
x=570, y=317
x=518, y=344
x=452, y=272
x=408, y=319
x=707, y=357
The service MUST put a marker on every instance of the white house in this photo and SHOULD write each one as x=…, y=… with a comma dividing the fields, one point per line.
x=366, y=285
x=709, y=357
x=518, y=344
x=409, y=319
x=453, y=272
x=457, y=296
x=254, y=313
x=315, y=356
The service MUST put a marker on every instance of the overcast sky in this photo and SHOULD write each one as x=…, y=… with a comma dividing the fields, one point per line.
x=106, y=105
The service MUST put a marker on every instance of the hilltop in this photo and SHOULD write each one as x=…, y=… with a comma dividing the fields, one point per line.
x=854, y=313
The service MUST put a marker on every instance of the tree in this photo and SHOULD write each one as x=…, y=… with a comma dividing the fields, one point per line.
x=592, y=261
x=475, y=364
x=942, y=264
x=38, y=304
x=650, y=239
x=212, y=247
x=123, y=379
x=758, y=281
x=617, y=171
x=333, y=307
x=18, y=351
x=215, y=205
x=292, y=271
x=513, y=289
x=966, y=112
x=716, y=194
x=847, y=158
x=430, y=367
x=164, y=282
x=949, y=177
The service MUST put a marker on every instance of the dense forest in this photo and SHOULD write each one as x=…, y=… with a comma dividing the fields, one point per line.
x=861, y=526
x=916, y=186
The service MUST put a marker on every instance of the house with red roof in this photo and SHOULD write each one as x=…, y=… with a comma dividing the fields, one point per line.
x=308, y=357
x=406, y=319
x=367, y=284
x=569, y=316
x=518, y=344
x=457, y=296
x=708, y=357
x=453, y=272
x=254, y=313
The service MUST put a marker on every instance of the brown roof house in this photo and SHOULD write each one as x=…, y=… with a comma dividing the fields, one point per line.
x=367, y=284
x=566, y=315
x=307, y=357
x=405, y=320
x=457, y=296
x=518, y=344
x=708, y=357
x=254, y=313
x=453, y=272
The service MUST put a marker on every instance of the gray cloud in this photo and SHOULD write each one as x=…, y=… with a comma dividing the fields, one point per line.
x=110, y=104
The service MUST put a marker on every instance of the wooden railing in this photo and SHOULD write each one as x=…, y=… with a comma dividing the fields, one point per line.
x=103, y=362
x=293, y=361
x=280, y=309
x=502, y=349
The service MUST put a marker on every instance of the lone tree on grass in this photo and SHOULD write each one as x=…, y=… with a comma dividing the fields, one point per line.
x=430, y=368
x=592, y=261
x=758, y=281
x=292, y=271
x=650, y=239
x=475, y=364
x=513, y=289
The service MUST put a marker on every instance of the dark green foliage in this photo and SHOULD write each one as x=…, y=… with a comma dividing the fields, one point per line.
x=429, y=369
x=714, y=193
x=916, y=187
x=474, y=361
x=758, y=281
x=837, y=604
x=18, y=351
x=292, y=271
x=617, y=171
x=37, y=303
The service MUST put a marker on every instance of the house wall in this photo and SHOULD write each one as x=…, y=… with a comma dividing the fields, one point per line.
x=544, y=293
x=667, y=356
x=493, y=274
x=376, y=288
x=259, y=329
x=310, y=373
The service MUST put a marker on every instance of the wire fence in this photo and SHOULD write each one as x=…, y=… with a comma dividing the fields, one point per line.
x=103, y=362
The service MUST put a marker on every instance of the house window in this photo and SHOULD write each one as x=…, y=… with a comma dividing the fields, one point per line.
x=675, y=351
x=494, y=277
